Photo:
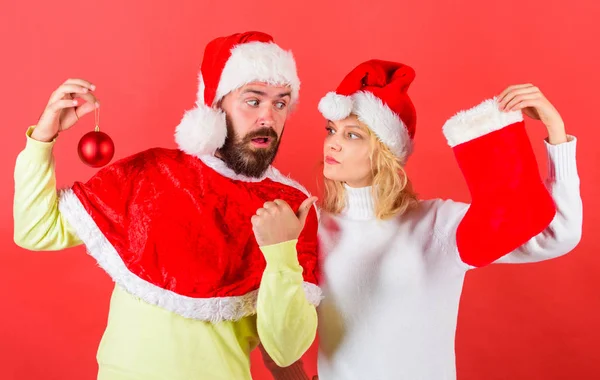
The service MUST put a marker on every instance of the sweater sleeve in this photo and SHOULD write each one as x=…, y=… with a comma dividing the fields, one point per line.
x=561, y=235
x=286, y=321
x=38, y=224
x=564, y=232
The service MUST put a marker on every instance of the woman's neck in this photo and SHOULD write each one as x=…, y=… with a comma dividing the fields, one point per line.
x=360, y=203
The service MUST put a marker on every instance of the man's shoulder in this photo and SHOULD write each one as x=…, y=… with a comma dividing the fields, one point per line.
x=157, y=157
x=152, y=155
x=287, y=182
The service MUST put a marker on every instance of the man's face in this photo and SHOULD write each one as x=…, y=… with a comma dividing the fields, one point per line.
x=256, y=115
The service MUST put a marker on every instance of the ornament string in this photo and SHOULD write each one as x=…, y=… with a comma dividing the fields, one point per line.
x=97, y=117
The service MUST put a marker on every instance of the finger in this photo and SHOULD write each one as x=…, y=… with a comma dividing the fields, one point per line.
x=81, y=82
x=89, y=98
x=514, y=87
x=270, y=205
x=519, y=98
x=521, y=91
x=511, y=88
x=66, y=89
x=526, y=103
x=260, y=211
x=255, y=220
x=304, y=209
x=84, y=109
x=62, y=104
x=282, y=204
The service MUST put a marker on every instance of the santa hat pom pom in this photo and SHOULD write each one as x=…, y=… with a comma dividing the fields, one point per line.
x=201, y=131
x=335, y=107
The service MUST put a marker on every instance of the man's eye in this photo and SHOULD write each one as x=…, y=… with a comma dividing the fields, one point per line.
x=252, y=102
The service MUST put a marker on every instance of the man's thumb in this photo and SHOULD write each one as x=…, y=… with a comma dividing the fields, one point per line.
x=304, y=209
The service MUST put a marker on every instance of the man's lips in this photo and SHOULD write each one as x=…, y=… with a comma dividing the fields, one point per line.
x=261, y=142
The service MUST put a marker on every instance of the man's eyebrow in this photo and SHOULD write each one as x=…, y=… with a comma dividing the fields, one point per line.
x=262, y=93
x=253, y=91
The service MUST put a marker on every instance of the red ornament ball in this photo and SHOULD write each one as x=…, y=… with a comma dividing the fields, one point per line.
x=96, y=149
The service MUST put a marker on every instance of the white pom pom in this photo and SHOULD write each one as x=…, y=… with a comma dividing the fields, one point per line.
x=335, y=107
x=202, y=131
x=200, y=93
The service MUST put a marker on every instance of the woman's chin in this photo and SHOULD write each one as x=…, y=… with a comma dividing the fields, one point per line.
x=332, y=174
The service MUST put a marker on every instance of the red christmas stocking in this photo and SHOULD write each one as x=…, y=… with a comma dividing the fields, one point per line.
x=510, y=203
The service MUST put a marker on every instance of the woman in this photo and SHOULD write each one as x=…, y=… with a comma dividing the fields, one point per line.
x=393, y=266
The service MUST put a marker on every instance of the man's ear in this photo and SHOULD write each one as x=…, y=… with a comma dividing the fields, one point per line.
x=219, y=104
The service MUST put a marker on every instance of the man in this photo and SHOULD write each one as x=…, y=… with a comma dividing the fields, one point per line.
x=196, y=290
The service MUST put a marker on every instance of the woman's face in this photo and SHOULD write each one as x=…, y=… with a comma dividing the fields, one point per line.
x=347, y=153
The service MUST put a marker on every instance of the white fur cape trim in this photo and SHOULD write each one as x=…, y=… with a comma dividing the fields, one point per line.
x=206, y=309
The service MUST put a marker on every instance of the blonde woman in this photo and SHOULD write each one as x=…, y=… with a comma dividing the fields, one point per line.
x=393, y=265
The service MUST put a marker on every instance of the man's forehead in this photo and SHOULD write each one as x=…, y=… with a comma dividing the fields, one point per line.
x=266, y=88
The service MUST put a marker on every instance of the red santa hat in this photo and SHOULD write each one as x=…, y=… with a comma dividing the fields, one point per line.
x=376, y=92
x=229, y=63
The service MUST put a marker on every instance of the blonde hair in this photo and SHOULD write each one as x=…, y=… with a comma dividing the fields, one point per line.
x=392, y=190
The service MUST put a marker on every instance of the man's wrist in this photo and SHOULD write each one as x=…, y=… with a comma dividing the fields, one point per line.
x=42, y=136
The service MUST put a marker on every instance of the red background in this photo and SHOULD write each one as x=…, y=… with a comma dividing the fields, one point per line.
x=535, y=321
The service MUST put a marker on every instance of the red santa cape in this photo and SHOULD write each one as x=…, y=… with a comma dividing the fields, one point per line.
x=173, y=227
x=174, y=230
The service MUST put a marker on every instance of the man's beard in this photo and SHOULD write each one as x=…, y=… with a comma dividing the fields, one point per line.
x=241, y=158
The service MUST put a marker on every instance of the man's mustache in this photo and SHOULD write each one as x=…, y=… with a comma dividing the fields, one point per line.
x=263, y=132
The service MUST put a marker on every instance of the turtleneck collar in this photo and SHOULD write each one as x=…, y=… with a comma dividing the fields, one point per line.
x=360, y=203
